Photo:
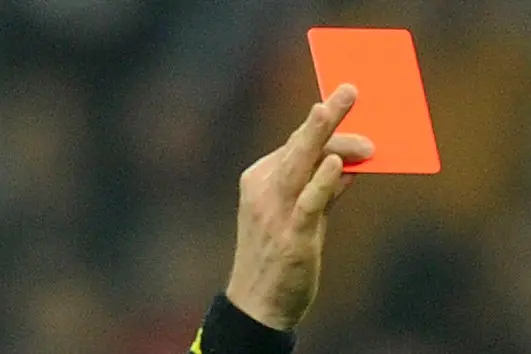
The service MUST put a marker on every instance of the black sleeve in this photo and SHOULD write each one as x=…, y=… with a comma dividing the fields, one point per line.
x=227, y=330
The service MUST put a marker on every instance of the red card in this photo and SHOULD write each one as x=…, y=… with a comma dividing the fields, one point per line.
x=391, y=108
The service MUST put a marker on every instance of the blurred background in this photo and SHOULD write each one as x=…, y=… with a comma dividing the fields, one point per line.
x=125, y=124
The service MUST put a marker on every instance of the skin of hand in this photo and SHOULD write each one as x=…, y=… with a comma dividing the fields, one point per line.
x=284, y=200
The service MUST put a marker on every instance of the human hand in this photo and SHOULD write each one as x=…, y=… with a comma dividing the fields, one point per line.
x=284, y=200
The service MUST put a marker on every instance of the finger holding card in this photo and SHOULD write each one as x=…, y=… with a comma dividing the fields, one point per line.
x=305, y=147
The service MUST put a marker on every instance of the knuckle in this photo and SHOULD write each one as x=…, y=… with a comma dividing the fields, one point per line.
x=320, y=115
x=315, y=198
x=302, y=211
x=320, y=189
x=245, y=178
x=317, y=108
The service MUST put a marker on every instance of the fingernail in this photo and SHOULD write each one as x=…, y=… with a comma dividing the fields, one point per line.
x=347, y=95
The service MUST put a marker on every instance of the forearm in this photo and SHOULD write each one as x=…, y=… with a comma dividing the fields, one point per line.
x=227, y=330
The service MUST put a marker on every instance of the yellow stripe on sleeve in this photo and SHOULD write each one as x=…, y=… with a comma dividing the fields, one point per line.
x=196, y=345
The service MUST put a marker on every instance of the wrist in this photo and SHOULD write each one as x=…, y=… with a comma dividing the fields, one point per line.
x=226, y=329
x=262, y=310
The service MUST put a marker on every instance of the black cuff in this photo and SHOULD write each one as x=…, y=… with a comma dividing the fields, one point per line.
x=227, y=330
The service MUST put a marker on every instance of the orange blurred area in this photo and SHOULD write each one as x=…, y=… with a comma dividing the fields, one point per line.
x=123, y=131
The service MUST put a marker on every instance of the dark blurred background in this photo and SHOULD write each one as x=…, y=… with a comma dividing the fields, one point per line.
x=124, y=127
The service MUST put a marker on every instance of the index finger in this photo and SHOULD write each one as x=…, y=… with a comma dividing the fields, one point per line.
x=305, y=147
